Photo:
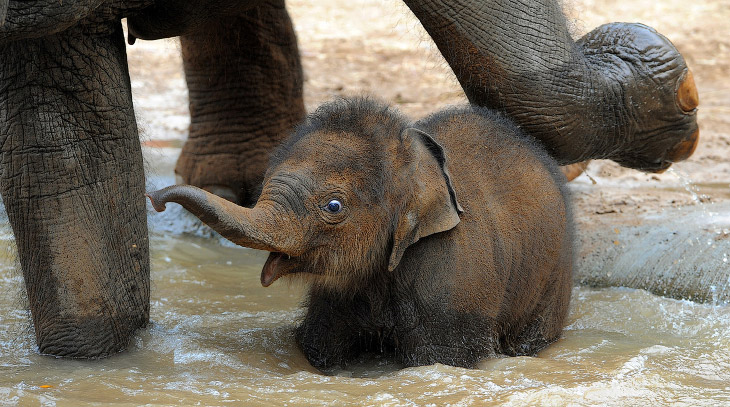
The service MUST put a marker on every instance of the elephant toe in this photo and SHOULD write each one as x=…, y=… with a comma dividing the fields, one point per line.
x=86, y=338
x=572, y=171
x=684, y=149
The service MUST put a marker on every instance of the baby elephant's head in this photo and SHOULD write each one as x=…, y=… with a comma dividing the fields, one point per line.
x=343, y=198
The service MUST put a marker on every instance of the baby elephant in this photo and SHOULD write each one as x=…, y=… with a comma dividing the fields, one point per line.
x=448, y=240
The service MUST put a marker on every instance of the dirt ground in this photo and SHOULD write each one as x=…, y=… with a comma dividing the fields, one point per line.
x=378, y=47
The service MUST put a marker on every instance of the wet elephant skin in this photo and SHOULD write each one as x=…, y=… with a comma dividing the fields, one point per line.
x=449, y=240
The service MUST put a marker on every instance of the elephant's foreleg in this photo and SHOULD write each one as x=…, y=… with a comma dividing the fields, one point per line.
x=622, y=92
x=245, y=82
x=73, y=185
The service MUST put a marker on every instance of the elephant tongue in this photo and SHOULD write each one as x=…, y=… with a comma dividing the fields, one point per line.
x=271, y=269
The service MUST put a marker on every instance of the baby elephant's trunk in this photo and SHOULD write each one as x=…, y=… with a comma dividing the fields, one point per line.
x=255, y=228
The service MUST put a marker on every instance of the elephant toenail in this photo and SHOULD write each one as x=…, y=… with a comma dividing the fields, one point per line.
x=687, y=97
x=684, y=149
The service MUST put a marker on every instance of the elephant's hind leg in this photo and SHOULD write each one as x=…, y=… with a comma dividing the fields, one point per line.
x=245, y=82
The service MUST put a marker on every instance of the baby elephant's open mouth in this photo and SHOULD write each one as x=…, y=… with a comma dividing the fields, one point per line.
x=278, y=264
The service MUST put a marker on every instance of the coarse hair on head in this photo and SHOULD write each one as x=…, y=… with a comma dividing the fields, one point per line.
x=363, y=116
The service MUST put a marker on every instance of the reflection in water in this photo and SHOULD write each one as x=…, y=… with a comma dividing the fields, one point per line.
x=218, y=337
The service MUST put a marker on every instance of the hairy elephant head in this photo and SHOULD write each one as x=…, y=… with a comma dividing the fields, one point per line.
x=344, y=197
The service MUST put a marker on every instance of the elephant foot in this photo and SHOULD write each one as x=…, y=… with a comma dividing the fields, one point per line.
x=87, y=337
x=650, y=117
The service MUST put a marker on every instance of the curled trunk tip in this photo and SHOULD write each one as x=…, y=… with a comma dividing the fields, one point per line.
x=254, y=228
x=192, y=198
x=155, y=200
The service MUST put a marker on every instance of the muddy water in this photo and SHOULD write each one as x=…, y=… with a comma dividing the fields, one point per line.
x=218, y=338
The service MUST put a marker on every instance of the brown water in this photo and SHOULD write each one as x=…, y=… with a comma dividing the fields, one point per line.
x=218, y=338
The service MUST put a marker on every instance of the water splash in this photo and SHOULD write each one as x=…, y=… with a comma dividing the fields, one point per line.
x=694, y=191
x=689, y=185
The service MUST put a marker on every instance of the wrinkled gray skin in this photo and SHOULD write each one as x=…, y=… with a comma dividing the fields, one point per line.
x=72, y=175
x=444, y=241
x=72, y=179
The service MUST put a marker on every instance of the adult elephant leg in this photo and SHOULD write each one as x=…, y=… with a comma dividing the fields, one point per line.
x=622, y=92
x=245, y=83
x=73, y=185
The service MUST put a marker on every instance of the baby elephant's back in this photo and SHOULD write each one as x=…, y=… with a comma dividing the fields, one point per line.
x=514, y=260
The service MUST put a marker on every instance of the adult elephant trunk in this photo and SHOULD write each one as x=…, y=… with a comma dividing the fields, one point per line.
x=172, y=18
x=73, y=185
x=260, y=227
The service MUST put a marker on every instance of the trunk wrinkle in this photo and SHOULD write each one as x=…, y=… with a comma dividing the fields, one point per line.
x=258, y=228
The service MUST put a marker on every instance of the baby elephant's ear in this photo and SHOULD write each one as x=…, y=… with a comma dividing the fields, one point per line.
x=430, y=205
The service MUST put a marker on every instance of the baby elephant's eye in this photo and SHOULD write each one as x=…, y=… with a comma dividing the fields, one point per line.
x=333, y=206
